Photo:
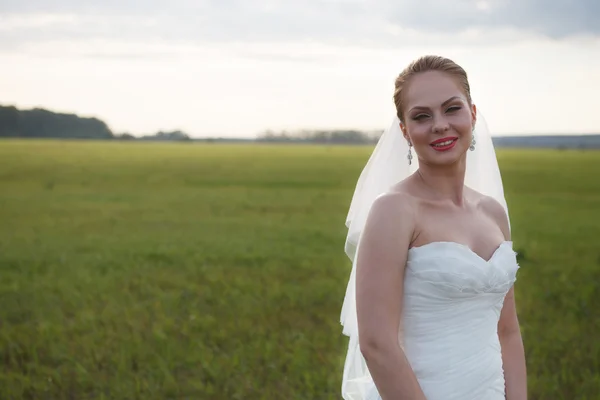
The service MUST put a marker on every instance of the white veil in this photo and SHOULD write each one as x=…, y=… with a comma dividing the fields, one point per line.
x=388, y=165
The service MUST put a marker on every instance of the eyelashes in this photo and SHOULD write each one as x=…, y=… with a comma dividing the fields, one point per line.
x=452, y=109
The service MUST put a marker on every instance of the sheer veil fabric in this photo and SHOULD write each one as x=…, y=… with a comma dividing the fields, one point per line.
x=386, y=166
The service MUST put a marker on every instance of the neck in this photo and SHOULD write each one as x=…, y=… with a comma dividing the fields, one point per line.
x=445, y=182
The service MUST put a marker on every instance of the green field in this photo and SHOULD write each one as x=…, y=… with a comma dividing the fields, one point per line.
x=187, y=271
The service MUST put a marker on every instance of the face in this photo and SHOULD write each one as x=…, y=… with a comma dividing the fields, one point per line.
x=438, y=120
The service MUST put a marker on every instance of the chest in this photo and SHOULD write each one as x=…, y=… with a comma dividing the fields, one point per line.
x=473, y=228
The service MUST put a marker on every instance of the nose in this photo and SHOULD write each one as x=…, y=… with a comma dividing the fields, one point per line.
x=440, y=124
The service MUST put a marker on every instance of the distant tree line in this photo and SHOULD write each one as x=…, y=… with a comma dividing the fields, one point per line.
x=174, y=135
x=321, y=136
x=41, y=123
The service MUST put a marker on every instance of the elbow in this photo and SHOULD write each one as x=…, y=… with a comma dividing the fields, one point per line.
x=374, y=346
x=509, y=332
x=367, y=347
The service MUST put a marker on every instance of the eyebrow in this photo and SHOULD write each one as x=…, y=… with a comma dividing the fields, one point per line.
x=443, y=104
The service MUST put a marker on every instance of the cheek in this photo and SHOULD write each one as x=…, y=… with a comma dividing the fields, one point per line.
x=415, y=130
x=419, y=133
x=462, y=120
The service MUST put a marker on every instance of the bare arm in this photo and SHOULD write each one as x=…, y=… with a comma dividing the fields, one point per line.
x=379, y=288
x=513, y=353
x=509, y=332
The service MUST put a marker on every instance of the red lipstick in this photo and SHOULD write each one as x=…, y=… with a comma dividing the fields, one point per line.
x=449, y=143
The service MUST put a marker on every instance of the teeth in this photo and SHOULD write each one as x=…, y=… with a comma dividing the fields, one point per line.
x=446, y=143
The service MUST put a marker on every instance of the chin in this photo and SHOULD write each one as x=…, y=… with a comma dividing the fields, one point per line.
x=446, y=155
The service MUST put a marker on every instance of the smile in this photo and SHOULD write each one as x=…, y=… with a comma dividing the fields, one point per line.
x=444, y=144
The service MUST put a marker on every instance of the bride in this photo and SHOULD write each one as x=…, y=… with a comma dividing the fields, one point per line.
x=430, y=305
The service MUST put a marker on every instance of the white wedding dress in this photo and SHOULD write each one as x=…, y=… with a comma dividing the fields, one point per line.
x=452, y=303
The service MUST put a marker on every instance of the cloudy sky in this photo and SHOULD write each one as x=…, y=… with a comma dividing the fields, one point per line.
x=236, y=68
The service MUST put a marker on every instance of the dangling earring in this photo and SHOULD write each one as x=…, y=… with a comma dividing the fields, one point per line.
x=473, y=142
x=409, y=156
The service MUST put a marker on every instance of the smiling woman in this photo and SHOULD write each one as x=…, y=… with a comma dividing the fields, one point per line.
x=429, y=307
x=437, y=98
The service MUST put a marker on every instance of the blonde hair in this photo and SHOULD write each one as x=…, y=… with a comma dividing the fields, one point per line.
x=424, y=64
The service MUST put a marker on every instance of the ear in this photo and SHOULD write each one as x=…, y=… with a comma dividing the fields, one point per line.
x=404, y=133
x=474, y=115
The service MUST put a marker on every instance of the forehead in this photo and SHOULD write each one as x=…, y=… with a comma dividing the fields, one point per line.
x=430, y=89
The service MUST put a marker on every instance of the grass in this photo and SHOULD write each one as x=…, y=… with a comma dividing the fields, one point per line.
x=184, y=271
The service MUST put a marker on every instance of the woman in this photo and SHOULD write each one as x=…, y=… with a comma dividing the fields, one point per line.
x=430, y=307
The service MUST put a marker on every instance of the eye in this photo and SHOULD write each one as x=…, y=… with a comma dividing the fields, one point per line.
x=420, y=117
x=453, y=108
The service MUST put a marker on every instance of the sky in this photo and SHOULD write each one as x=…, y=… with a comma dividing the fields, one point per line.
x=232, y=68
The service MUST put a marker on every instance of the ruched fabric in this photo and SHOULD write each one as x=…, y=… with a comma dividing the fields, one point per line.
x=449, y=325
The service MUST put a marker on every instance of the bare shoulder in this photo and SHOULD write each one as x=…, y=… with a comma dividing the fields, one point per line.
x=492, y=208
x=393, y=207
x=391, y=219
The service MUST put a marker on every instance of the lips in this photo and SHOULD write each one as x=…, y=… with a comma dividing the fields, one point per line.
x=443, y=144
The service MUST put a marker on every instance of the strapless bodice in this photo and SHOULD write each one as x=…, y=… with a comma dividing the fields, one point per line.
x=449, y=325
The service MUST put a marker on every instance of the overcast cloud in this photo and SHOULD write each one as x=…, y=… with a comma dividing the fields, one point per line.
x=357, y=22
